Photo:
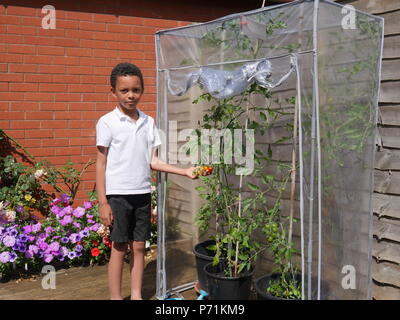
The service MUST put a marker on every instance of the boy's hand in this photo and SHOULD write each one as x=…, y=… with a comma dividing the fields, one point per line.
x=194, y=172
x=106, y=216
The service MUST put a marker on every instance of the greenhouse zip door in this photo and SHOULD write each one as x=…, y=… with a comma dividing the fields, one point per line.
x=282, y=103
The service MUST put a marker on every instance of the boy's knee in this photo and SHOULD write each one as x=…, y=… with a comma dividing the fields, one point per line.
x=120, y=246
x=138, y=246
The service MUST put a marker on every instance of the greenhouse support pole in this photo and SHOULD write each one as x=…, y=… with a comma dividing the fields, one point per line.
x=316, y=110
x=161, y=189
x=298, y=88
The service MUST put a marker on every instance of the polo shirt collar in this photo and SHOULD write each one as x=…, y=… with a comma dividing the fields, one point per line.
x=121, y=116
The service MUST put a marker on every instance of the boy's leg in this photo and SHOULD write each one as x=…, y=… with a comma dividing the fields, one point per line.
x=137, y=268
x=115, y=269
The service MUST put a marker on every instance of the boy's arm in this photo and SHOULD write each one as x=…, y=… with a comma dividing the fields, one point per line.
x=105, y=209
x=158, y=165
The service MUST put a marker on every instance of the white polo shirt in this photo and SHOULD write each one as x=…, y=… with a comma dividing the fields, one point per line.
x=130, y=146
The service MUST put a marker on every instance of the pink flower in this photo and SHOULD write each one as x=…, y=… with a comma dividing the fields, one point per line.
x=56, y=201
x=66, y=220
x=36, y=227
x=87, y=205
x=79, y=212
x=94, y=227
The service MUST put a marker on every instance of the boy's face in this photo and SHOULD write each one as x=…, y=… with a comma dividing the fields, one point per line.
x=128, y=91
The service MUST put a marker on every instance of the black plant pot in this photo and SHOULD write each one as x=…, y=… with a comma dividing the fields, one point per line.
x=203, y=257
x=227, y=288
x=263, y=283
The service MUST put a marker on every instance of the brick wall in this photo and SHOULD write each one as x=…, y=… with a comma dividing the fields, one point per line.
x=54, y=84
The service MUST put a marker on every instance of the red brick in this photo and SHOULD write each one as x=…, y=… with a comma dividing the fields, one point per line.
x=92, y=61
x=105, y=36
x=23, y=29
x=78, y=52
x=25, y=124
x=52, y=51
x=79, y=70
x=4, y=124
x=39, y=115
x=60, y=97
x=52, y=69
x=92, y=26
x=36, y=59
x=67, y=24
x=131, y=20
x=4, y=106
x=10, y=96
x=38, y=78
x=105, y=53
x=52, y=87
x=82, y=142
x=21, y=11
x=41, y=40
x=21, y=48
x=40, y=133
x=8, y=77
x=23, y=87
x=35, y=96
x=38, y=152
x=4, y=57
x=66, y=42
x=55, y=142
x=68, y=115
x=105, y=18
x=50, y=106
x=143, y=30
x=94, y=79
x=32, y=143
x=68, y=151
x=79, y=34
x=66, y=60
x=23, y=106
x=134, y=55
x=107, y=106
x=94, y=44
x=81, y=88
x=103, y=88
x=53, y=124
x=4, y=86
x=12, y=115
x=25, y=68
x=64, y=78
x=81, y=106
x=66, y=133
x=117, y=28
x=79, y=124
x=95, y=97
x=17, y=134
x=88, y=132
x=75, y=15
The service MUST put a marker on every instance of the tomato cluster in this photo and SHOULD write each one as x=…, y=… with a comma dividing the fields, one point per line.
x=203, y=170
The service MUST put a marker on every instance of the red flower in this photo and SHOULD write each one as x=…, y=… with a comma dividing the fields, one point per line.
x=95, y=243
x=107, y=242
x=95, y=252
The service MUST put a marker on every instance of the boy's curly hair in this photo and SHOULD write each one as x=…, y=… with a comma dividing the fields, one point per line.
x=125, y=69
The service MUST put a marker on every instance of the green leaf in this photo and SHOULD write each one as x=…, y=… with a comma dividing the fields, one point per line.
x=253, y=186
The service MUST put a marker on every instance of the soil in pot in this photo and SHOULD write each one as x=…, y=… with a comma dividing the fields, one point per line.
x=203, y=257
x=262, y=284
x=222, y=287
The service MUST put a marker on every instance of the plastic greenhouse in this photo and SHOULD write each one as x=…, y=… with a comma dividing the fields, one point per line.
x=322, y=74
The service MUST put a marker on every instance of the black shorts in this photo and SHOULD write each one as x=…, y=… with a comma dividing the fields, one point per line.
x=131, y=217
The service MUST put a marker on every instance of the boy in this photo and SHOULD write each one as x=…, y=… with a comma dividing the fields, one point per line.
x=126, y=140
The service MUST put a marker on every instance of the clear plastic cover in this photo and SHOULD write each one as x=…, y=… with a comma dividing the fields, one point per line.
x=332, y=70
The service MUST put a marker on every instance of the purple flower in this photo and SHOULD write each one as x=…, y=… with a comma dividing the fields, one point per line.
x=33, y=249
x=61, y=258
x=79, y=212
x=78, y=248
x=23, y=238
x=48, y=258
x=36, y=227
x=27, y=229
x=64, y=251
x=55, y=201
x=42, y=245
x=12, y=232
x=78, y=254
x=19, y=209
x=77, y=224
x=74, y=237
x=89, y=216
x=13, y=256
x=31, y=238
x=67, y=210
x=87, y=205
x=66, y=220
x=9, y=241
x=71, y=255
x=28, y=254
x=64, y=239
x=90, y=221
x=2, y=230
x=84, y=233
x=21, y=247
x=94, y=227
x=54, y=246
x=5, y=257
x=49, y=230
x=65, y=198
